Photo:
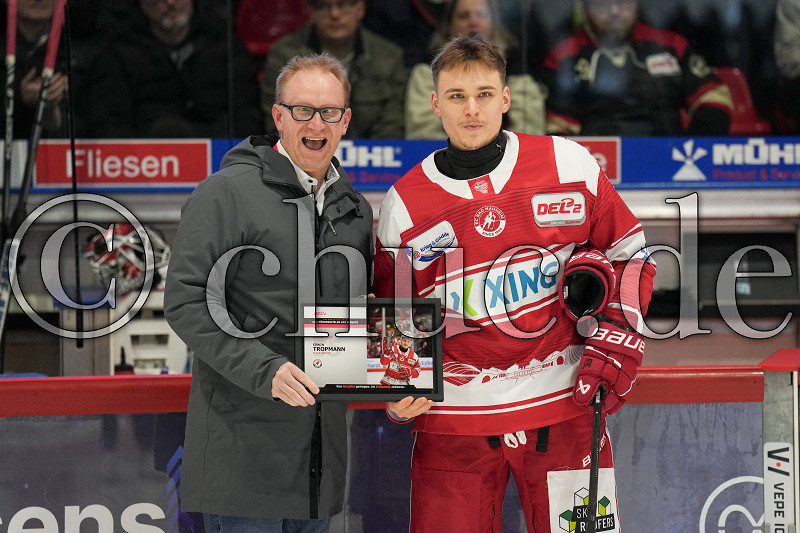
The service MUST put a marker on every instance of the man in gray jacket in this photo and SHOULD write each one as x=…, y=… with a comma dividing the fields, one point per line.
x=260, y=453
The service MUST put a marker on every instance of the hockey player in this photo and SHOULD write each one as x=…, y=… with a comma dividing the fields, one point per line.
x=492, y=221
x=401, y=360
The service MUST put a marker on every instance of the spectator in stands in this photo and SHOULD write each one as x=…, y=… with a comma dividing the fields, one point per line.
x=374, y=66
x=618, y=76
x=407, y=23
x=787, y=57
x=33, y=29
x=466, y=17
x=167, y=75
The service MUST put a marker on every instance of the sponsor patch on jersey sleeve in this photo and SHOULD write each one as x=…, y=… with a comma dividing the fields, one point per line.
x=559, y=209
x=431, y=244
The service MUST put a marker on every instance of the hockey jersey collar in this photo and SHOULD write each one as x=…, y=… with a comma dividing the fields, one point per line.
x=499, y=176
x=465, y=165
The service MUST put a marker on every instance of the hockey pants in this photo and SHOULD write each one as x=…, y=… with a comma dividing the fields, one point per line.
x=458, y=482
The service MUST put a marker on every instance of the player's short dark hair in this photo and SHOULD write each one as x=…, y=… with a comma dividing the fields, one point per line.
x=324, y=62
x=463, y=50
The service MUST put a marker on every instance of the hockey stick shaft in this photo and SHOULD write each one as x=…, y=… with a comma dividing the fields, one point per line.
x=9, y=256
x=73, y=169
x=594, y=465
x=11, y=62
x=36, y=134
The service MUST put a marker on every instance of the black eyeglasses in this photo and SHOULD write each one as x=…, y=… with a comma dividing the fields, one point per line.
x=304, y=113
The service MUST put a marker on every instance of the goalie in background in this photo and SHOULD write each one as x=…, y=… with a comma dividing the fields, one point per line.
x=402, y=361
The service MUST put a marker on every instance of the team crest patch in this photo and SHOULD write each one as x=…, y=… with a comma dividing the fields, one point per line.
x=481, y=186
x=489, y=221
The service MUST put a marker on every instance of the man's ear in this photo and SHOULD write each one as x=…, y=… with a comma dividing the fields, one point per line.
x=362, y=10
x=348, y=115
x=277, y=117
x=435, y=104
x=506, y=99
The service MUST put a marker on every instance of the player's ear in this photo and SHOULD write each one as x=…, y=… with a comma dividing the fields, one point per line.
x=435, y=104
x=506, y=99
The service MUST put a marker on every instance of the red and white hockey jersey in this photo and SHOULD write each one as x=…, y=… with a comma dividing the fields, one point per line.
x=403, y=366
x=492, y=248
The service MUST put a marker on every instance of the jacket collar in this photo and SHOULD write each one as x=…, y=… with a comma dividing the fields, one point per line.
x=259, y=151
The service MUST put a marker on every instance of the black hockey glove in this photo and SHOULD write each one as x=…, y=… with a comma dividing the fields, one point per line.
x=587, y=284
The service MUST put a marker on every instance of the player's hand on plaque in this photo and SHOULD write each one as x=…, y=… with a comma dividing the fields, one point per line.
x=407, y=408
x=293, y=386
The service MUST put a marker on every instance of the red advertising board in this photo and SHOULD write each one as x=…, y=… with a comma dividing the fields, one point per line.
x=607, y=152
x=123, y=164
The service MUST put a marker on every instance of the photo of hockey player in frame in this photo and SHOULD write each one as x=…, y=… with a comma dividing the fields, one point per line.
x=400, y=359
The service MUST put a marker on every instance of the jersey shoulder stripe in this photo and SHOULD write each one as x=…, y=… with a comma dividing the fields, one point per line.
x=568, y=48
x=393, y=219
x=667, y=39
x=575, y=163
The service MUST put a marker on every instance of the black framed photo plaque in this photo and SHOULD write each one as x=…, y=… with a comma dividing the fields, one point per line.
x=373, y=349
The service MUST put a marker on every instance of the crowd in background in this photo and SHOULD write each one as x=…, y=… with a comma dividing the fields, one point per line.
x=206, y=68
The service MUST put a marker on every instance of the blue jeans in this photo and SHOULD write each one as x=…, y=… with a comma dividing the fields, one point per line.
x=233, y=524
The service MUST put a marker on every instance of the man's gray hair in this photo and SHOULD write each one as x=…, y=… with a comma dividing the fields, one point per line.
x=323, y=61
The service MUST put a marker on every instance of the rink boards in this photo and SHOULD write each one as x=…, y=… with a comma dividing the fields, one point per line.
x=688, y=450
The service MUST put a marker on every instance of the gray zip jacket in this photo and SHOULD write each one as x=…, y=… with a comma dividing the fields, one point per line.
x=245, y=453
